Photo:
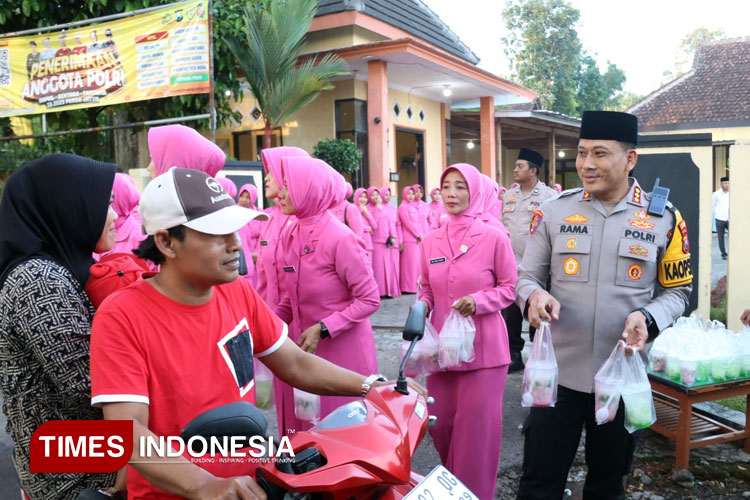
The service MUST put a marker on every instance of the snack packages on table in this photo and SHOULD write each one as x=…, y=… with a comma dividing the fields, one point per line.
x=424, y=358
x=607, y=385
x=456, y=340
x=636, y=394
x=263, y=385
x=540, y=375
x=306, y=406
x=695, y=352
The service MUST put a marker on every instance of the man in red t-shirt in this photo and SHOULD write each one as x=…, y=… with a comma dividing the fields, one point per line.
x=168, y=348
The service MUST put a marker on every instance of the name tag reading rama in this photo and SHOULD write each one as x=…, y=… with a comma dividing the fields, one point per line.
x=437, y=261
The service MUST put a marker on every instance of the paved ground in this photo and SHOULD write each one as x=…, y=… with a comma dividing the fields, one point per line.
x=721, y=470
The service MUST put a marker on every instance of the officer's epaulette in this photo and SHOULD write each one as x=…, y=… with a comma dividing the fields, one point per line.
x=569, y=192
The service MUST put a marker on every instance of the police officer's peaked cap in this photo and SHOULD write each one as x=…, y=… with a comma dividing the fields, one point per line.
x=531, y=156
x=609, y=126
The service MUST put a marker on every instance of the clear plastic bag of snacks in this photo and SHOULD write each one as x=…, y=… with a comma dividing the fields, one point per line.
x=424, y=358
x=636, y=393
x=540, y=374
x=307, y=406
x=607, y=385
x=456, y=340
x=263, y=385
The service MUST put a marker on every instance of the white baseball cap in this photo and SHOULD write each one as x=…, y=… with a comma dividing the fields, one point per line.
x=191, y=198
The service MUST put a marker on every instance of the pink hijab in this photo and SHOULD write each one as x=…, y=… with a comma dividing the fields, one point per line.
x=370, y=190
x=340, y=189
x=271, y=158
x=349, y=190
x=405, y=192
x=180, y=146
x=501, y=191
x=125, y=202
x=414, y=187
x=557, y=187
x=474, y=182
x=432, y=197
x=229, y=186
x=312, y=184
x=357, y=194
x=252, y=191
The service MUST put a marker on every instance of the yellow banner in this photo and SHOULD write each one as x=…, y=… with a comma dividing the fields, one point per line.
x=158, y=54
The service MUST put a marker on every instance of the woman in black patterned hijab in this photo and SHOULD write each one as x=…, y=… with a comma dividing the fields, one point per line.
x=54, y=213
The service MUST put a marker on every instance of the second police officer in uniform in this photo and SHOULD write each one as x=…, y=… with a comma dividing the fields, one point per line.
x=616, y=270
x=519, y=204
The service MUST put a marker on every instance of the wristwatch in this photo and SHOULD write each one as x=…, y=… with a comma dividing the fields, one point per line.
x=367, y=383
x=651, y=326
x=324, y=333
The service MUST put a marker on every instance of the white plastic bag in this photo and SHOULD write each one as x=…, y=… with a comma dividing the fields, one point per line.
x=456, y=340
x=263, y=385
x=540, y=374
x=607, y=385
x=424, y=358
x=306, y=406
x=636, y=393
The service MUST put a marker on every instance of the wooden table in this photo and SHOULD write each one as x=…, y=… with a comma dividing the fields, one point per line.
x=675, y=418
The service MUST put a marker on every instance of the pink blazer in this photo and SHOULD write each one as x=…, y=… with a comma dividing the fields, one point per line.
x=411, y=225
x=350, y=216
x=384, y=225
x=268, y=268
x=325, y=281
x=486, y=271
x=368, y=226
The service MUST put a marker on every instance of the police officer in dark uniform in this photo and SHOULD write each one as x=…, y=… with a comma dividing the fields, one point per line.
x=618, y=267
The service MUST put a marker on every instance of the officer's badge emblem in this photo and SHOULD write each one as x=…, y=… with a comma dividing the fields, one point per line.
x=572, y=243
x=586, y=195
x=570, y=266
x=641, y=214
x=576, y=219
x=535, y=221
x=641, y=224
x=635, y=272
x=685, y=242
x=512, y=198
x=638, y=250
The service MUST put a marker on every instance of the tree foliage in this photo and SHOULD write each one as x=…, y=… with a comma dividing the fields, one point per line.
x=268, y=51
x=686, y=52
x=342, y=154
x=21, y=15
x=547, y=57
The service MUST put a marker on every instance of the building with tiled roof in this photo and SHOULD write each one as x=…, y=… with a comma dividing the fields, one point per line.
x=713, y=97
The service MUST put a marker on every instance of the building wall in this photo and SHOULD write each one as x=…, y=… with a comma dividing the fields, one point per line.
x=337, y=38
x=738, y=267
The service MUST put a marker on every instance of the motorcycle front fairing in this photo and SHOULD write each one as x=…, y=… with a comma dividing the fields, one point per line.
x=366, y=445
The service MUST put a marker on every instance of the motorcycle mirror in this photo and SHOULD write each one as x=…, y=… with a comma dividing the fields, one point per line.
x=233, y=419
x=414, y=327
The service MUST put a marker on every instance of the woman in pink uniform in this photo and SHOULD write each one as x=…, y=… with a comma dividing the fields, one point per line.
x=469, y=266
x=268, y=267
x=383, y=238
x=327, y=299
x=362, y=203
x=423, y=208
x=125, y=198
x=229, y=186
x=412, y=228
x=398, y=245
x=438, y=215
x=489, y=204
x=348, y=214
x=250, y=233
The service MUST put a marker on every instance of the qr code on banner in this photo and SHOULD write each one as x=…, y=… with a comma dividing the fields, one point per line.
x=4, y=68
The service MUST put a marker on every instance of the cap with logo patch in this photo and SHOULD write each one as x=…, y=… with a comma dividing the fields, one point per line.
x=183, y=196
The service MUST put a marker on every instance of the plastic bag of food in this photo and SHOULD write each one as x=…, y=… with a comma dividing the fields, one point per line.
x=263, y=385
x=306, y=406
x=540, y=375
x=636, y=393
x=424, y=358
x=607, y=384
x=456, y=340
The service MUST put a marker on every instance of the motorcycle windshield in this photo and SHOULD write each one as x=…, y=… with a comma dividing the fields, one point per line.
x=344, y=416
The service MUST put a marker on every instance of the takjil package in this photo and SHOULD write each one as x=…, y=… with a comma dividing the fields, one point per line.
x=263, y=385
x=424, y=358
x=456, y=340
x=636, y=393
x=306, y=406
x=540, y=374
x=607, y=385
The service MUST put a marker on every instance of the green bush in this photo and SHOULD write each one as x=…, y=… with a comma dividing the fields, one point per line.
x=342, y=154
x=719, y=312
x=14, y=153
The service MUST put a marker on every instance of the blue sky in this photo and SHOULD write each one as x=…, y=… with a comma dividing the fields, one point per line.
x=640, y=36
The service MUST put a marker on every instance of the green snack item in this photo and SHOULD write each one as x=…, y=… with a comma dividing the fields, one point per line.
x=703, y=372
x=673, y=368
x=638, y=410
x=719, y=369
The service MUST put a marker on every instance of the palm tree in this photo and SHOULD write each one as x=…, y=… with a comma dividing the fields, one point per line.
x=268, y=55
